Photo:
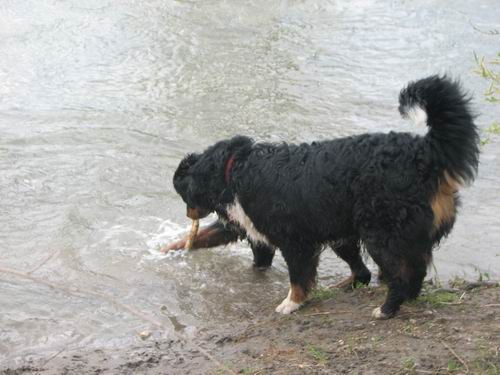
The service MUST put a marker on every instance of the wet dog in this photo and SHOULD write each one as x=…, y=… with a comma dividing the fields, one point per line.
x=395, y=193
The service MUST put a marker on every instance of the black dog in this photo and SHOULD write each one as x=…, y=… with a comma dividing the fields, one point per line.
x=396, y=193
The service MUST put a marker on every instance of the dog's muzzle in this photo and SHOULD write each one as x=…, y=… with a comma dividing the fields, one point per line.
x=196, y=213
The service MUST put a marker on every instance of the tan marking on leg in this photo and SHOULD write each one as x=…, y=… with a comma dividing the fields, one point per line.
x=297, y=295
x=443, y=202
x=404, y=272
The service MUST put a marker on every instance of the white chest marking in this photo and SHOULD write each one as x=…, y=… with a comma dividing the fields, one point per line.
x=236, y=213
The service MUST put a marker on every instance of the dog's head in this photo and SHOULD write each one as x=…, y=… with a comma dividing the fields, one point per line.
x=200, y=178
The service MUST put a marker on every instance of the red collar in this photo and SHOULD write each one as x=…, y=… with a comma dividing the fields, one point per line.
x=229, y=167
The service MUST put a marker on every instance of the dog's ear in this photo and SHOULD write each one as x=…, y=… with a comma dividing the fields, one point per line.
x=185, y=164
x=181, y=180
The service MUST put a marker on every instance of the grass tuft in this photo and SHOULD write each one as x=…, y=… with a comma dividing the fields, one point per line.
x=494, y=128
x=454, y=366
x=409, y=365
x=490, y=71
x=322, y=293
x=485, y=70
x=317, y=353
x=438, y=298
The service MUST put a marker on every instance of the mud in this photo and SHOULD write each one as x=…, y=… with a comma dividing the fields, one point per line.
x=453, y=330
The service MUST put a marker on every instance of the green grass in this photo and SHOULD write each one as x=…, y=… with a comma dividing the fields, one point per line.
x=458, y=282
x=317, y=353
x=438, y=299
x=494, y=128
x=322, y=293
x=409, y=365
x=487, y=361
x=359, y=285
x=484, y=141
x=489, y=70
x=454, y=366
x=485, y=366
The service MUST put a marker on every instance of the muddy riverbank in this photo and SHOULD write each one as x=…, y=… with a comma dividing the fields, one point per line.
x=447, y=330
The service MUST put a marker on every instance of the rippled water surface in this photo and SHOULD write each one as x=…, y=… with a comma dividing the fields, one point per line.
x=99, y=100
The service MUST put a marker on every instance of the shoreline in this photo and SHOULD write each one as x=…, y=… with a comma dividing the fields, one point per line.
x=446, y=330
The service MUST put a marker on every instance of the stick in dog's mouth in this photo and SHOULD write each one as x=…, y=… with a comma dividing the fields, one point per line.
x=192, y=234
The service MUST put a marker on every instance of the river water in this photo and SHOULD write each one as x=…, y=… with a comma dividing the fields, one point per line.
x=99, y=100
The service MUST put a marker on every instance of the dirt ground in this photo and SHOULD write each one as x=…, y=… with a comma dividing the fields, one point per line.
x=446, y=331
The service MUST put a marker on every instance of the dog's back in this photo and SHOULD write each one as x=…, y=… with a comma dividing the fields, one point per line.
x=397, y=182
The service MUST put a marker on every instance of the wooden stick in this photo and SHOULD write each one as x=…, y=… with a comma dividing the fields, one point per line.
x=456, y=356
x=192, y=234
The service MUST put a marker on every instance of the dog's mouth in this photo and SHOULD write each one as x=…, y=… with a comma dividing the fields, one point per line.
x=197, y=213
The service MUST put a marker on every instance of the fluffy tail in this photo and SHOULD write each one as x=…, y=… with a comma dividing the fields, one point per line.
x=442, y=105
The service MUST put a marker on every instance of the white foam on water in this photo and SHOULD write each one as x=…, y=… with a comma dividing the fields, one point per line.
x=167, y=231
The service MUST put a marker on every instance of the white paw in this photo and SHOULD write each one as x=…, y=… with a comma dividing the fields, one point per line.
x=378, y=314
x=287, y=306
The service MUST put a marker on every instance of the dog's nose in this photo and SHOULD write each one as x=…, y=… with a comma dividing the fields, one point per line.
x=196, y=213
x=192, y=213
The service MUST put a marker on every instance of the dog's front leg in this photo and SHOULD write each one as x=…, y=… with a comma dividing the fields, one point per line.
x=302, y=268
x=262, y=255
x=296, y=296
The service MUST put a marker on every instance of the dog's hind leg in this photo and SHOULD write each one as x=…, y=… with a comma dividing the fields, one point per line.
x=404, y=273
x=348, y=249
x=302, y=269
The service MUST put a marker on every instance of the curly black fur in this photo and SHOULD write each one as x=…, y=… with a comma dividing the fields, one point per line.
x=396, y=193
